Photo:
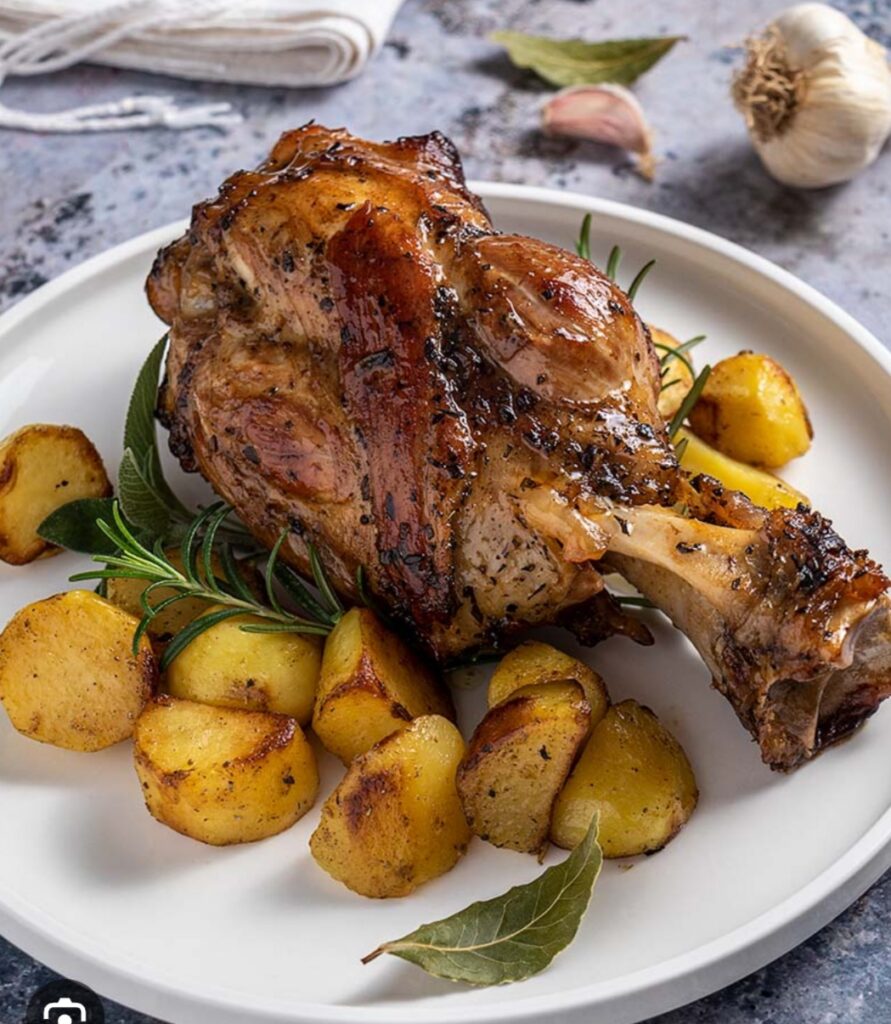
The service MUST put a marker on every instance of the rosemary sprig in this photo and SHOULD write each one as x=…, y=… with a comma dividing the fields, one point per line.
x=690, y=399
x=679, y=352
x=671, y=353
x=198, y=579
x=639, y=278
x=583, y=242
x=583, y=248
x=685, y=346
x=612, y=262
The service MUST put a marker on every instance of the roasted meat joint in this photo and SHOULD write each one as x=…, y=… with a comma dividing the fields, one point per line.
x=356, y=353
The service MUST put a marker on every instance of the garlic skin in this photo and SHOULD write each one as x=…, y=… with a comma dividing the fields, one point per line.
x=816, y=94
x=605, y=113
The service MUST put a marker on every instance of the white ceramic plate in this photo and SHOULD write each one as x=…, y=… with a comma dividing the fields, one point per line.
x=91, y=885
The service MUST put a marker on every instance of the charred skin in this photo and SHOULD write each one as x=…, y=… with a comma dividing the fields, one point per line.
x=356, y=354
x=794, y=626
x=358, y=357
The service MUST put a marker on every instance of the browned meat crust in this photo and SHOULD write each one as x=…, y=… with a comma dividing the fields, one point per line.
x=357, y=355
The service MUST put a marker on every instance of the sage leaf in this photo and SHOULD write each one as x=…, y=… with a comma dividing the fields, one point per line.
x=139, y=427
x=513, y=936
x=73, y=526
x=142, y=504
x=577, y=62
x=140, y=435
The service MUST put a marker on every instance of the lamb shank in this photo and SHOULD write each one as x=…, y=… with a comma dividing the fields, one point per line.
x=358, y=356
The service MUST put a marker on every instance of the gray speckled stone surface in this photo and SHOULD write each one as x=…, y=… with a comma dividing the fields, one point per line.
x=67, y=198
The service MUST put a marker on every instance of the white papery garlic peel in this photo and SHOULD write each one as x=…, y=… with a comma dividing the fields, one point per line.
x=816, y=95
x=605, y=113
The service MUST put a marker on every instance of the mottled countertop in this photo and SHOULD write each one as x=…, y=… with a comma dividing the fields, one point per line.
x=65, y=198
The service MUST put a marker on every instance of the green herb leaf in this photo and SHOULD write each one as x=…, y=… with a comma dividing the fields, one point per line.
x=269, y=574
x=632, y=602
x=326, y=591
x=73, y=526
x=639, y=279
x=513, y=936
x=583, y=243
x=131, y=558
x=142, y=504
x=672, y=353
x=300, y=593
x=140, y=435
x=194, y=629
x=612, y=262
x=237, y=584
x=577, y=62
x=690, y=399
x=139, y=427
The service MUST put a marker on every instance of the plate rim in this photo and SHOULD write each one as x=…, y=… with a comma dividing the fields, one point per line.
x=655, y=989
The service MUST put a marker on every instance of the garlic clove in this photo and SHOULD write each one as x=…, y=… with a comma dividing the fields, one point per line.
x=605, y=113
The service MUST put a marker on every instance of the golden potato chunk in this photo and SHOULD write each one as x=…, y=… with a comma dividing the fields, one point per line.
x=371, y=684
x=757, y=485
x=127, y=594
x=636, y=776
x=230, y=668
x=223, y=775
x=518, y=760
x=68, y=675
x=678, y=380
x=751, y=410
x=534, y=662
x=41, y=468
x=395, y=820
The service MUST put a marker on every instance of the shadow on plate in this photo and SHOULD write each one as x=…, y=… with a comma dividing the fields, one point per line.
x=300, y=884
x=25, y=762
x=400, y=982
x=112, y=837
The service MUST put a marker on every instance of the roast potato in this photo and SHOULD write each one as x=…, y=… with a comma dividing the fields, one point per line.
x=751, y=410
x=518, y=760
x=41, y=468
x=534, y=662
x=223, y=775
x=636, y=776
x=758, y=485
x=371, y=684
x=395, y=821
x=68, y=675
x=230, y=668
x=678, y=380
x=127, y=593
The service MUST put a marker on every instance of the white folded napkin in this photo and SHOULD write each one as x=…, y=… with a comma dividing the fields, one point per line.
x=260, y=42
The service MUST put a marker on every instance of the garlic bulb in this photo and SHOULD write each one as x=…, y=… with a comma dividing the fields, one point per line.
x=816, y=95
x=605, y=113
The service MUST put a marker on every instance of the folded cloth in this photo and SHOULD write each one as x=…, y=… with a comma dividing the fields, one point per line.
x=260, y=42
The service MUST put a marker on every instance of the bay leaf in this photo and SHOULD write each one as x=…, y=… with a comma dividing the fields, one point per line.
x=513, y=936
x=578, y=62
